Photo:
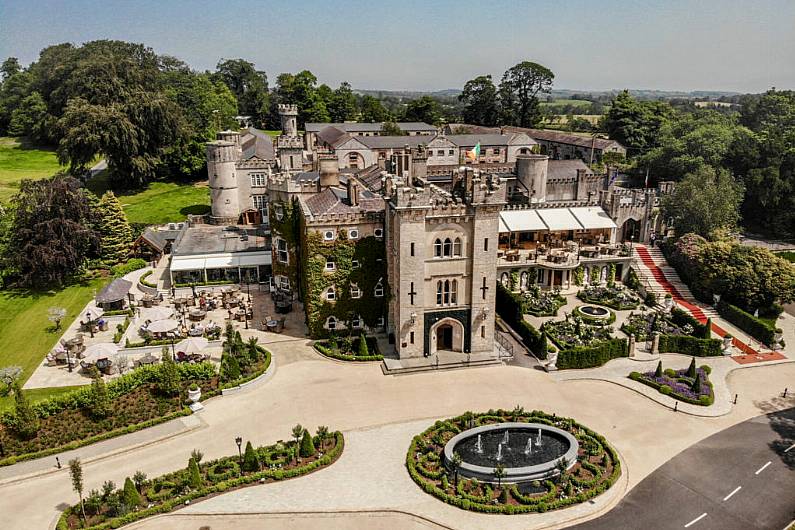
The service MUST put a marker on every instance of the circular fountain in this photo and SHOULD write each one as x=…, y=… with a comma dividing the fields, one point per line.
x=529, y=451
x=594, y=311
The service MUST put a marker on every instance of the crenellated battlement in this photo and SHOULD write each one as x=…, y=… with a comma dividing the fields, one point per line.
x=288, y=109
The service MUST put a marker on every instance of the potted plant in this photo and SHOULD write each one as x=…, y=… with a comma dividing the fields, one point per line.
x=194, y=393
x=727, y=343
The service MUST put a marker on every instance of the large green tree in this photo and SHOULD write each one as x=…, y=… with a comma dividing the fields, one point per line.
x=425, y=109
x=372, y=110
x=519, y=89
x=634, y=123
x=342, y=104
x=301, y=89
x=249, y=86
x=705, y=203
x=480, y=101
x=51, y=234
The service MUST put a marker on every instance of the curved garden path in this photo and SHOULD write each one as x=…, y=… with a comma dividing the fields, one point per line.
x=379, y=415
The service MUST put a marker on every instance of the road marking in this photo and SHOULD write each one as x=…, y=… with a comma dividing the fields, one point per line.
x=697, y=519
x=790, y=448
x=729, y=496
x=762, y=468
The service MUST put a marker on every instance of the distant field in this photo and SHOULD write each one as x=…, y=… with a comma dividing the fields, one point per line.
x=20, y=160
x=160, y=202
x=574, y=102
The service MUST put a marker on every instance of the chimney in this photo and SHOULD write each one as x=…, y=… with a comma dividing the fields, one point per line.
x=353, y=192
x=329, y=171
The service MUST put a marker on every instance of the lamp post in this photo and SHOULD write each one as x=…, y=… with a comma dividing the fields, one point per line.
x=90, y=327
x=68, y=360
x=239, y=442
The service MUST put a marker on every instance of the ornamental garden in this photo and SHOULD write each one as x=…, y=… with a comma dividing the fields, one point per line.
x=512, y=462
x=691, y=385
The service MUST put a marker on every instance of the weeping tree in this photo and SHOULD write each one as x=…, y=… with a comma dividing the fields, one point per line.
x=52, y=233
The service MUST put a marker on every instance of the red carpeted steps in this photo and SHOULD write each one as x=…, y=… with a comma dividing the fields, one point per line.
x=697, y=312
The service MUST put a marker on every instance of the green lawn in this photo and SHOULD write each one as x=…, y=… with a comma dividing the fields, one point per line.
x=19, y=160
x=26, y=336
x=34, y=395
x=160, y=202
x=575, y=102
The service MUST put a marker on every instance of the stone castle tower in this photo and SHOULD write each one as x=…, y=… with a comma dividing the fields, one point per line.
x=222, y=156
x=441, y=258
x=290, y=146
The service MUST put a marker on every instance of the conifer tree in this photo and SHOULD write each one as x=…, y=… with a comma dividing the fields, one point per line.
x=130, y=496
x=363, y=350
x=169, y=375
x=27, y=422
x=691, y=370
x=115, y=230
x=658, y=372
x=100, y=400
x=194, y=476
x=307, y=445
x=250, y=461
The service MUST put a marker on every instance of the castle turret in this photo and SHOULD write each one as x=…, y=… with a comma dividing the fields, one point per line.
x=221, y=158
x=531, y=171
x=289, y=144
x=289, y=117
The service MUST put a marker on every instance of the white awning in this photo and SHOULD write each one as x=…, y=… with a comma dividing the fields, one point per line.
x=593, y=217
x=220, y=262
x=559, y=219
x=503, y=227
x=252, y=260
x=189, y=264
x=521, y=221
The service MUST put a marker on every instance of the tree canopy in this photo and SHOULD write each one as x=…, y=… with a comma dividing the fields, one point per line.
x=519, y=89
x=480, y=101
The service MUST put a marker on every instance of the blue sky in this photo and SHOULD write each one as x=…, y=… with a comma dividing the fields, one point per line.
x=669, y=45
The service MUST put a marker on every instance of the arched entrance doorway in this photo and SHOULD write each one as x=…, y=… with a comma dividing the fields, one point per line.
x=630, y=230
x=447, y=335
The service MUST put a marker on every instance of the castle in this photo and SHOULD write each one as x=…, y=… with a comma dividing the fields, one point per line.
x=408, y=235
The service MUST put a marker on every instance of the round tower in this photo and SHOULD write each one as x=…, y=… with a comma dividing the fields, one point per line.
x=531, y=171
x=222, y=156
x=289, y=117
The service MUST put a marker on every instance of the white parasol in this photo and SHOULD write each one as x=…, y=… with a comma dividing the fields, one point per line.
x=100, y=351
x=192, y=345
x=162, y=326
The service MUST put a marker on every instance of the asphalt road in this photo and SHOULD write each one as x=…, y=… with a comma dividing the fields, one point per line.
x=741, y=478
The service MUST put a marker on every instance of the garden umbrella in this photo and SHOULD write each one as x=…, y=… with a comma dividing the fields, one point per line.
x=162, y=326
x=99, y=351
x=192, y=345
x=157, y=313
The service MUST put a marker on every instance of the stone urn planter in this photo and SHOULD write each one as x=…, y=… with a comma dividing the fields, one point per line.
x=194, y=395
x=669, y=302
x=727, y=344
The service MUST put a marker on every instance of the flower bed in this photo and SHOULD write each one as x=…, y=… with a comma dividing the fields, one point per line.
x=680, y=384
x=574, y=331
x=349, y=349
x=616, y=297
x=679, y=332
x=597, y=468
x=541, y=303
x=166, y=493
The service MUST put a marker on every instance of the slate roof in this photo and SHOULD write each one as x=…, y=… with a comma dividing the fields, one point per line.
x=369, y=127
x=159, y=238
x=114, y=291
x=332, y=135
x=561, y=169
x=264, y=145
x=335, y=200
x=470, y=140
x=393, y=142
x=565, y=138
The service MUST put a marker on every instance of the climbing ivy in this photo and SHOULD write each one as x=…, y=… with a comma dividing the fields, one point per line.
x=371, y=255
x=289, y=229
x=579, y=274
x=611, y=275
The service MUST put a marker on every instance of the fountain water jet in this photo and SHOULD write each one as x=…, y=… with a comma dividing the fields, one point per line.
x=528, y=449
x=506, y=438
x=499, y=452
x=479, y=445
x=538, y=439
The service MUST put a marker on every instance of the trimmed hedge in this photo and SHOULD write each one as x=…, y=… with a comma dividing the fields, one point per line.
x=593, y=356
x=322, y=347
x=690, y=345
x=756, y=327
x=220, y=487
x=143, y=280
x=509, y=307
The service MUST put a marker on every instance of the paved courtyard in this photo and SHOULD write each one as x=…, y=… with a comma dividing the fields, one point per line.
x=379, y=415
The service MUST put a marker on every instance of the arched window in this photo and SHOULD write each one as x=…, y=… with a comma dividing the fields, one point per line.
x=437, y=248
x=355, y=291
x=448, y=248
x=331, y=323
x=505, y=279
x=454, y=292
x=457, y=247
x=379, y=289
x=446, y=292
x=331, y=294
x=439, y=292
x=523, y=280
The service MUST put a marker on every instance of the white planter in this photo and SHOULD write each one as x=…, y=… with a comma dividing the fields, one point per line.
x=195, y=395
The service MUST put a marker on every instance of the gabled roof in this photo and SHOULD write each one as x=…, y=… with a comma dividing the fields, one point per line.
x=263, y=147
x=470, y=140
x=158, y=239
x=335, y=200
x=376, y=127
x=563, y=169
x=392, y=142
x=566, y=138
x=114, y=291
x=332, y=135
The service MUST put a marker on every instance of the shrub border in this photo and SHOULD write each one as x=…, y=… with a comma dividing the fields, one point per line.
x=320, y=347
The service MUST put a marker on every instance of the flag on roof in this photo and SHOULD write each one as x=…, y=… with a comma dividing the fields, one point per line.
x=474, y=154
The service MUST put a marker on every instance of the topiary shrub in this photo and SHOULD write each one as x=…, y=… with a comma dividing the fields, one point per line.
x=665, y=389
x=130, y=495
x=250, y=460
x=307, y=446
x=194, y=476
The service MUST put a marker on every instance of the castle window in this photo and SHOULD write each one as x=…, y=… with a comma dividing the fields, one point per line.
x=378, y=232
x=330, y=265
x=485, y=244
x=412, y=249
x=260, y=202
x=437, y=248
x=281, y=251
x=331, y=323
x=496, y=150
x=355, y=264
x=411, y=337
x=258, y=179
x=353, y=233
x=457, y=247
x=330, y=294
x=379, y=289
x=356, y=322
x=439, y=292
x=446, y=292
x=380, y=322
x=454, y=292
x=328, y=235
x=440, y=152
x=448, y=248
x=278, y=211
x=451, y=152
x=283, y=282
x=355, y=291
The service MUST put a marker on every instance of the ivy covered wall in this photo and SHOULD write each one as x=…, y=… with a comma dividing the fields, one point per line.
x=371, y=255
x=287, y=227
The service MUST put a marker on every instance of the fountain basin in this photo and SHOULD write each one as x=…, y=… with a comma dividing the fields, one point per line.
x=594, y=311
x=520, y=466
